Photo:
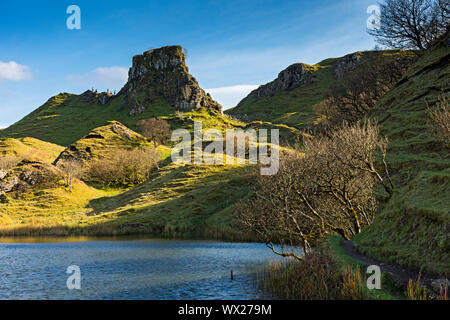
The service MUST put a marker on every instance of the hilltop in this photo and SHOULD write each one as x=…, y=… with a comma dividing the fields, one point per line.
x=159, y=85
x=292, y=97
x=103, y=141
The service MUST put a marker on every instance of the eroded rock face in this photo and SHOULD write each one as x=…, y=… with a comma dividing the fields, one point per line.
x=93, y=97
x=104, y=97
x=88, y=96
x=163, y=73
x=294, y=75
x=346, y=64
x=28, y=174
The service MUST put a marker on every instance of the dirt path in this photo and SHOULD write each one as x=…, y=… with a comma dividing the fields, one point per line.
x=398, y=274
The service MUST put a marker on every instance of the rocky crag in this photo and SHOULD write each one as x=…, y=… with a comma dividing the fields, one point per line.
x=163, y=73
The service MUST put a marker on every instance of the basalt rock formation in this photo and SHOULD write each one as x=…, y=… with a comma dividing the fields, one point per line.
x=294, y=75
x=163, y=73
x=95, y=97
x=346, y=64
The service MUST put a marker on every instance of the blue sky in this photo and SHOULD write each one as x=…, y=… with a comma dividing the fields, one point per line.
x=233, y=46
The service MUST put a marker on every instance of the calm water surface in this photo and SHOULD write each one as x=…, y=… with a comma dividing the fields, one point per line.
x=130, y=269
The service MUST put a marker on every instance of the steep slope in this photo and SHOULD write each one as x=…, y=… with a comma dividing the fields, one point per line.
x=159, y=84
x=30, y=149
x=291, y=97
x=163, y=73
x=413, y=229
x=104, y=141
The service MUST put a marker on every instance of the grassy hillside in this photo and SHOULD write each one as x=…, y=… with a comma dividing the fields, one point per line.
x=66, y=118
x=178, y=200
x=103, y=141
x=292, y=107
x=295, y=106
x=30, y=149
x=184, y=201
x=413, y=229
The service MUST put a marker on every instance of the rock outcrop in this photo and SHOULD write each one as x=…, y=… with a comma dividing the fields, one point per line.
x=163, y=73
x=104, y=97
x=95, y=97
x=28, y=174
x=346, y=64
x=3, y=173
x=294, y=75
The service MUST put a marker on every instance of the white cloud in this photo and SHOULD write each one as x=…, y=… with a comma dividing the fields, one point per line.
x=229, y=97
x=110, y=77
x=13, y=71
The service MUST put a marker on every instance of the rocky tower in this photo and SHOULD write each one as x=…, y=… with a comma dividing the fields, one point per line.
x=163, y=73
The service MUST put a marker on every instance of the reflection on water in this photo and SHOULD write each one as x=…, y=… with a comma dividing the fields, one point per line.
x=130, y=269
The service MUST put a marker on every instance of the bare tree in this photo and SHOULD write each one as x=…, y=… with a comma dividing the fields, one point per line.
x=411, y=24
x=156, y=130
x=351, y=98
x=445, y=8
x=325, y=186
x=73, y=169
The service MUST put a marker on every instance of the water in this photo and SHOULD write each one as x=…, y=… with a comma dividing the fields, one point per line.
x=131, y=269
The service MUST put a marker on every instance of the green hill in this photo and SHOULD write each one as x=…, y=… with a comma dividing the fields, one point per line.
x=290, y=99
x=413, y=229
x=177, y=200
x=29, y=149
x=159, y=85
x=65, y=118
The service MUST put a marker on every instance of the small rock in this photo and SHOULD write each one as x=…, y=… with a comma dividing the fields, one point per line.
x=104, y=98
x=3, y=173
x=437, y=284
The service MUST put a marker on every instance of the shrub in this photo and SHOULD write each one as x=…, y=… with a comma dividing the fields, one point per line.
x=357, y=93
x=440, y=120
x=73, y=169
x=326, y=186
x=125, y=168
x=8, y=162
x=317, y=277
x=156, y=130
